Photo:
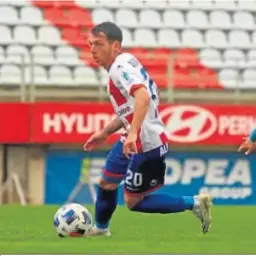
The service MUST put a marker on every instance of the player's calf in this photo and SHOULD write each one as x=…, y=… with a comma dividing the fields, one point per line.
x=106, y=203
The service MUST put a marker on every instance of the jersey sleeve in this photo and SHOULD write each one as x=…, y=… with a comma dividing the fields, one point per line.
x=128, y=78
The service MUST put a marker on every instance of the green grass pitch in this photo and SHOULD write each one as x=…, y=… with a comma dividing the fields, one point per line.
x=30, y=230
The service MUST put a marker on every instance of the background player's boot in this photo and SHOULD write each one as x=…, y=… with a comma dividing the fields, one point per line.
x=98, y=232
x=202, y=210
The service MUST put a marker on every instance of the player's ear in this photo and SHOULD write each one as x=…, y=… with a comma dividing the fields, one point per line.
x=117, y=46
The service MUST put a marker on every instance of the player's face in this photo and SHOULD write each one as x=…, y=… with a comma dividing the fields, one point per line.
x=103, y=51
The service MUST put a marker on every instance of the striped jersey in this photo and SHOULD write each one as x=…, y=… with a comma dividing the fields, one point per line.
x=126, y=74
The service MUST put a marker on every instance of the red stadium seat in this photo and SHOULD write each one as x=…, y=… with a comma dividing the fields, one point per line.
x=80, y=17
x=159, y=78
x=140, y=53
x=137, y=51
x=156, y=69
x=152, y=58
x=182, y=78
x=64, y=4
x=186, y=58
x=56, y=16
x=161, y=57
x=43, y=4
x=143, y=55
x=54, y=4
x=74, y=37
x=164, y=51
x=205, y=78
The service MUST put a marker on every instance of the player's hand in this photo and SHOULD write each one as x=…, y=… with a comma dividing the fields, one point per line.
x=95, y=141
x=247, y=146
x=129, y=146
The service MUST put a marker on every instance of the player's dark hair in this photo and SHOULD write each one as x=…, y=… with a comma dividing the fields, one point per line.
x=110, y=29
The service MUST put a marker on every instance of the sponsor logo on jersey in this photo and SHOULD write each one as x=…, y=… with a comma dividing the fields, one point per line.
x=124, y=111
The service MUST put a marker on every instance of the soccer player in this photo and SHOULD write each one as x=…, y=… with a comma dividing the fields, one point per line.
x=138, y=157
x=249, y=145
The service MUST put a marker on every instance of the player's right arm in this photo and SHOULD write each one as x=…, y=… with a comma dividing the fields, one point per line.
x=114, y=126
x=98, y=138
x=249, y=145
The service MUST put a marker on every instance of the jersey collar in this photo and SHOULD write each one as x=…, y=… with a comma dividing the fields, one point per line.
x=113, y=61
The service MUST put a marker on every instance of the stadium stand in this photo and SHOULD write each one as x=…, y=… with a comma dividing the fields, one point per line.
x=188, y=44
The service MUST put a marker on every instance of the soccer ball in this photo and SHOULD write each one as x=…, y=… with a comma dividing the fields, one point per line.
x=72, y=220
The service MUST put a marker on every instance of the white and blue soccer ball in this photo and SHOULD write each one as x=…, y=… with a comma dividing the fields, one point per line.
x=72, y=220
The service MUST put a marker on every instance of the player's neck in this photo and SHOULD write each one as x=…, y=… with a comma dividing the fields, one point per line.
x=108, y=65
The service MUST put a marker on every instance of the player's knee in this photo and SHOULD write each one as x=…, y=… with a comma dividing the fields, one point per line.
x=131, y=201
x=106, y=185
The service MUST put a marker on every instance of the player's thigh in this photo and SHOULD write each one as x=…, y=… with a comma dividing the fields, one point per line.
x=144, y=175
x=115, y=167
